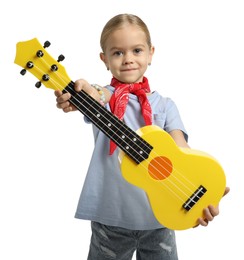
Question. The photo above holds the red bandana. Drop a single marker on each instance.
(120, 99)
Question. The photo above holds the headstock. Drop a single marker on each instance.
(33, 57)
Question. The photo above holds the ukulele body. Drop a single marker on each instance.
(170, 176)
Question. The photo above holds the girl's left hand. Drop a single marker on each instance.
(210, 212)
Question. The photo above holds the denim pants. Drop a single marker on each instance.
(109, 242)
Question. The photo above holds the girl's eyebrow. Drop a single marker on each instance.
(115, 48)
(133, 47)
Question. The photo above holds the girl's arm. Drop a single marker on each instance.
(179, 138)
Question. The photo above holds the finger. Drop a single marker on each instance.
(63, 105)
(68, 109)
(213, 211)
(210, 212)
(79, 84)
(63, 98)
(227, 190)
(82, 84)
(58, 93)
(203, 222)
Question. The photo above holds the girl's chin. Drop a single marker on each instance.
(129, 79)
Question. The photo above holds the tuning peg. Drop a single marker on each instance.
(29, 64)
(45, 77)
(39, 53)
(46, 44)
(22, 72)
(38, 84)
(54, 67)
(60, 58)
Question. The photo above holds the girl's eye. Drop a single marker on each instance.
(137, 51)
(118, 53)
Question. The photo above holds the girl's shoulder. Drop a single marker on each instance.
(157, 100)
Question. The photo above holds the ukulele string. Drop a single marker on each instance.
(59, 87)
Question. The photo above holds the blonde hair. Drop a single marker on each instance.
(118, 22)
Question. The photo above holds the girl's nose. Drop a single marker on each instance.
(128, 58)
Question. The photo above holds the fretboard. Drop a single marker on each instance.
(124, 137)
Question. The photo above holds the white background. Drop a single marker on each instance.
(198, 62)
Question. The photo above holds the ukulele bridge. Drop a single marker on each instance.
(195, 197)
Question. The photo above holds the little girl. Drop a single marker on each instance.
(121, 218)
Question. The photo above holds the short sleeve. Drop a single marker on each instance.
(167, 116)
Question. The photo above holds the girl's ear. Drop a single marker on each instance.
(151, 53)
(103, 58)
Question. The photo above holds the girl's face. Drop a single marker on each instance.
(127, 54)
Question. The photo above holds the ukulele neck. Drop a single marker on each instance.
(126, 139)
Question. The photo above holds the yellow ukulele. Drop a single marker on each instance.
(179, 182)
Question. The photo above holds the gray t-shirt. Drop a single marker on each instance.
(106, 196)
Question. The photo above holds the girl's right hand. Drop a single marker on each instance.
(81, 84)
(63, 99)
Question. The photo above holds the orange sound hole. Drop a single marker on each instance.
(160, 168)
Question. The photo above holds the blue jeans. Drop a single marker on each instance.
(109, 242)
